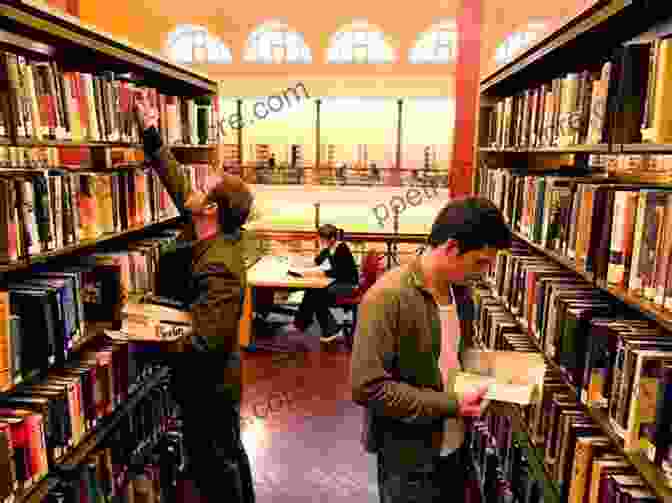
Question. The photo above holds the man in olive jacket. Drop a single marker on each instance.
(413, 419)
(207, 381)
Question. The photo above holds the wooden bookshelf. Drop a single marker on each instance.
(560, 259)
(647, 148)
(581, 47)
(644, 306)
(75, 44)
(574, 149)
(109, 423)
(586, 37)
(98, 144)
(42, 34)
(523, 427)
(93, 439)
(644, 467)
(83, 246)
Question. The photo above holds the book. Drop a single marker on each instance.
(510, 376)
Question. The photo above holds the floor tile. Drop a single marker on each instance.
(306, 446)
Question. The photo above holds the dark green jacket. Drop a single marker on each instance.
(218, 262)
(395, 373)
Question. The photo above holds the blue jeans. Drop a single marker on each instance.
(442, 480)
(217, 461)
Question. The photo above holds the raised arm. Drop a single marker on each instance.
(160, 156)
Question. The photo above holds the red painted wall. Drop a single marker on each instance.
(467, 71)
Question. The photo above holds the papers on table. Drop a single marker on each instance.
(274, 272)
(280, 267)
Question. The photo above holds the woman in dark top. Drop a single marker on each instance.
(337, 262)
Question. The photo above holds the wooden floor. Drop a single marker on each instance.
(306, 448)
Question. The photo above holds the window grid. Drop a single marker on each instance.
(436, 45)
(362, 44)
(360, 47)
(189, 44)
(277, 45)
(516, 42)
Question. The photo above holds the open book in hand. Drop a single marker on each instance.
(510, 376)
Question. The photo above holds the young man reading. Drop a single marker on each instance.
(413, 326)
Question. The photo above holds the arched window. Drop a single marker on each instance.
(437, 45)
(275, 42)
(360, 43)
(193, 44)
(519, 41)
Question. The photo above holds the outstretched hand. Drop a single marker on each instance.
(197, 201)
(146, 115)
(471, 403)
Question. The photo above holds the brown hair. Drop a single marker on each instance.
(474, 222)
(328, 231)
(235, 205)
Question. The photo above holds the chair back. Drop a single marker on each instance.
(372, 268)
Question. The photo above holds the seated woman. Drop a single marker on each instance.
(335, 261)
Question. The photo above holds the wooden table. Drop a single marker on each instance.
(271, 272)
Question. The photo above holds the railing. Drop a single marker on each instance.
(353, 176)
(397, 248)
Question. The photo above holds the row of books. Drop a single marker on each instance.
(573, 437)
(611, 359)
(494, 486)
(139, 464)
(507, 464)
(622, 234)
(510, 463)
(57, 307)
(573, 444)
(598, 473)
(600, 346)
(44, 421)
(47, 211)
(626, 101)
(41, 101)
(43, 211)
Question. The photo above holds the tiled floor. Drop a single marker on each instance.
(307, 447)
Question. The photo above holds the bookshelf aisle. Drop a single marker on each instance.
(574, 147)
(83, 223)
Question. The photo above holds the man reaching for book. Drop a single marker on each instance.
(413, 327)
(207, 382)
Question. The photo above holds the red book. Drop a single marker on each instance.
(18, 429)
(36, 444)
(81, 99)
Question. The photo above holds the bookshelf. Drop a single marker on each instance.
(76, 198)
(85, 245)
(94, 438)
(647, 308)
(648, 471)
(581, 109)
